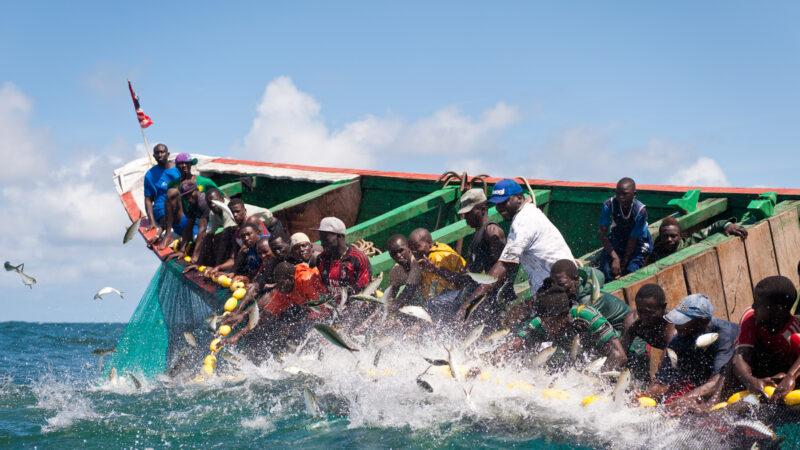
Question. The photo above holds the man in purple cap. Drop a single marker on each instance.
(533, 241)
(176, 205)
(156, 183)
(340, 264)
(692, 376)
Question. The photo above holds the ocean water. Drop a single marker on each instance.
(51, 396)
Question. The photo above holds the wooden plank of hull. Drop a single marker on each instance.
(673, 282)
(303, 214)
(760, 252)
(402, 213)
(703, 277)
(732, 259)
(785, 230)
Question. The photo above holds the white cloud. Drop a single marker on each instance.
(63, 219)
(21, 147)
(703, 172)
(289, 127)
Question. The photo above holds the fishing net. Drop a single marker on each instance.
(154, 340)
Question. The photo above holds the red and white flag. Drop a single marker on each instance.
(144, 120)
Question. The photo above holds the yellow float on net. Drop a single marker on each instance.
(224, 281)
(589, 399)
(210, 360)
(719, 405)
(555, 394)
(737, 396)
(769, 390)
(187, 258)
(224, 330)
(208, 370)
(378, 293)
(647, 402)
(201, 269)
(237, 285)
(792, 398)
(231, 304)
(239, 293)
(214, 346)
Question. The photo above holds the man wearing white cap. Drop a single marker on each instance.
(341, 265)
(302, 250)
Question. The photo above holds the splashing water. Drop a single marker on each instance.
(50, 395)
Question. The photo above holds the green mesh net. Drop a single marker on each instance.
(154, 340)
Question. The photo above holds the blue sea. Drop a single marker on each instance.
(52, 396)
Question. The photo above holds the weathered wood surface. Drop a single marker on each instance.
(733, 268)
(341, 200)
(673, 282)
(760, 252)
(785, 230)
(703, 277)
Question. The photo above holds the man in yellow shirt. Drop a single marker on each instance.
(441, 266)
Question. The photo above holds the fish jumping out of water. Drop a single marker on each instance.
(333, 337)
(132, 228)
(312, 407)
(27, 280)
(107, 290)
(416, 311)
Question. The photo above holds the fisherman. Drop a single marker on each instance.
(226, 246)
(281, 246)
(215, 244)
(557, 320)
(649, 326)
(285, 319)
(670, 240)
(268, 224)
(765, 354)
(248, 260)
(340, 264)
(175, 206)
(578, 285)
(302, 250)
(533, 241)
(692, 376)
(156, 183)
(406, 272)
(441, 266)
(623, 232)
(196, 213)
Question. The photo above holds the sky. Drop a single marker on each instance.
(700, 93)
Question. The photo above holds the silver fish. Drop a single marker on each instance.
(543, 356)
(596, 365)
(424, 385)
(190, 338)
(623, 383)
(103, 351)
(482, 278)
(132, 228)
(342, 298)
(333, 337)
(418, 312)
(253, 316)
(472, 336)
(704, 340)
(226, 211)
(595, 287)
(497, 335)
(472, 306)
(673, 358)
(312, 407)
(212, 321)
(136, 383)
(760, 428)
(611, 374)
(107, 290)
(112, 374)
(366, 298)
(451, 364)
(575, 348)
(372, 286)
(437, 362)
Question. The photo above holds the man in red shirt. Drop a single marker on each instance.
(764, 353)
(341, 265)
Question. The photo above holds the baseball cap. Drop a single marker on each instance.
(183, 158)
(187, 187)
(504, 189)
(332, 225)
(299, 238)
(471, 199)
(695, 306)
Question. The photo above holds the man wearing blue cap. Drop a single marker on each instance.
(533, 241)
(693, 372)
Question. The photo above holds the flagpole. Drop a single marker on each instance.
(147, 147)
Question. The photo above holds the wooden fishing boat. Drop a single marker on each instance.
(376, 204)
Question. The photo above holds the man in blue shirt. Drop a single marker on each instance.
(623, 231)
(692, 377)
(156, 181)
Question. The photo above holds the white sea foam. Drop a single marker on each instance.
(66, 401)
(259, 423)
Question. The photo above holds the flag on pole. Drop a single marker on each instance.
(144, 120)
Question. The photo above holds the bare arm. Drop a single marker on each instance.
(615, 353)
(629, 329)
(616, 267)
(788, 383)
(630, 246)
(742, 369)
(201, 236)
(148, 208)
(499, 271)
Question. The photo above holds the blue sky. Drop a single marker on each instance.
(675, 92)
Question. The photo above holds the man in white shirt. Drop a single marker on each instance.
(533, 241)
